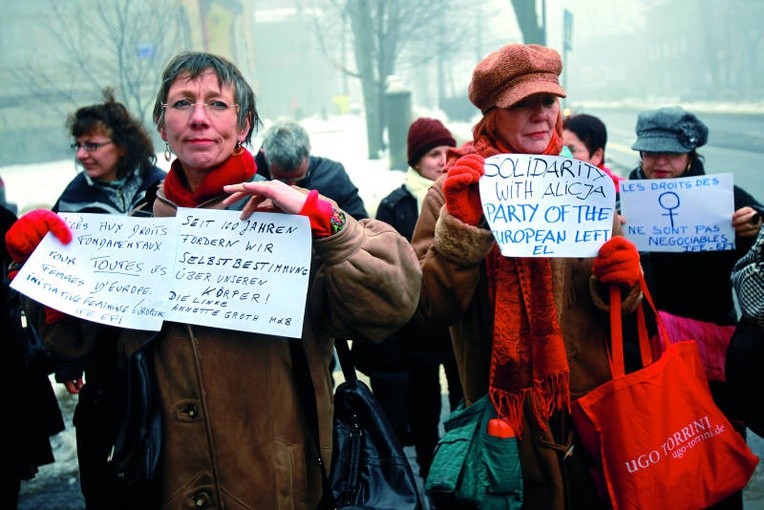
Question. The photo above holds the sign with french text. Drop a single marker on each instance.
(684, 214)
(547, 206)
(204, 267)
(247, 275)
(114, 271)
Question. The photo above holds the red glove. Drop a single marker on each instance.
(25, 235)
(320, 214)
(461, 190)
(618, 262)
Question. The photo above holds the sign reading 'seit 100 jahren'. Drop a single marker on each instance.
(547, 206)
(201, 267)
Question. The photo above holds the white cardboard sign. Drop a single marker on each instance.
(684, 214)
(547, 206)
(203, 267)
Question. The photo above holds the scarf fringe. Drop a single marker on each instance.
(547, 396)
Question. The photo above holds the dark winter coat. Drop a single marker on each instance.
(31, 410)
(415, 343)
(330, 179)
(697, 284)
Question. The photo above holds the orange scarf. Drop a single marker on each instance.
(239, 167)
(528, 356)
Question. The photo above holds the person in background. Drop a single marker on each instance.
(285, 155)
(404, 370)
(32, 414)
(118, 176)
(695, 285)
(233, 434)
(682, 283)
(586, 136)
(748, 280)
(529, 332)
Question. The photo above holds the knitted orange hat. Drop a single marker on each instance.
(514, 72)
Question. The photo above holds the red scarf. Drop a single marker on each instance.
(528, 357)
(239, 167)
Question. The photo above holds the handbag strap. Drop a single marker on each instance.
(647, 353)
(307, 395)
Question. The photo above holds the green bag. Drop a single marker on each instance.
(472, 469)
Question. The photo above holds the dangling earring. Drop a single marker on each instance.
(237, 150)
(167, 152)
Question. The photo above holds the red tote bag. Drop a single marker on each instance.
(656, 433)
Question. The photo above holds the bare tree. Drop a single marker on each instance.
(119, 43)
(381, 31)
(532, 25)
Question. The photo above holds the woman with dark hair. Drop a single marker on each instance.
(232, 430)
(586, 136)
(118, 177)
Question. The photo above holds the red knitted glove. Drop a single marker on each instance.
(461, 190)
(618, 262)
(319, 212)
(25, 235)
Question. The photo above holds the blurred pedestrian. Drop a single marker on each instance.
(232, 433)
(32, 414)
(285, 155)
(586, 136)
(118, 176)
(694, 285)
(529, 332)
(404, 370)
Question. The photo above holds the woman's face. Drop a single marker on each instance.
(98, 154)
(579, 149)
(527, 126)
(430, 166)
(202, 137)
(664, 165)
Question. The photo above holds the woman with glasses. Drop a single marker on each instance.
(232, 430)
(118, 176)
(695, 285)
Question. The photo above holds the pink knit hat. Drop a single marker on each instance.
(514, 72)
(424, 134)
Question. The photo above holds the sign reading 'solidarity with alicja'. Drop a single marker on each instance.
(547, 206)
(202, 266)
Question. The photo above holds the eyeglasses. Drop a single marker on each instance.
(185, 106)
(89, 146)
(655, 156)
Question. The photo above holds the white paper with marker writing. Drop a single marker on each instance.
(547, 206)
(246, 275)
(114, 271)
(684, 214)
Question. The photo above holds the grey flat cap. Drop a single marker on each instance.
(669, 129)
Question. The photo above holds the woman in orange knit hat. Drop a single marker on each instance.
(528, 332)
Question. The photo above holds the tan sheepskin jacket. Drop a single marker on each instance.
(454, 291)
(234, 431)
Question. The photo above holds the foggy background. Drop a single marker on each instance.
(388, 61)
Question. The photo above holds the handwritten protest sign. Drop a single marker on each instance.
(115, 270)
(201, 267)
(547, 206)
(247, 275)
(685, 214)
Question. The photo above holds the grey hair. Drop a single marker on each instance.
(286, 144)
(191, 65)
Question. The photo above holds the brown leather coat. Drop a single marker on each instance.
(454, 290)
(234, 431)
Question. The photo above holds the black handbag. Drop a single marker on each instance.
(134, 460)
(369, 468)
(745, 377)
